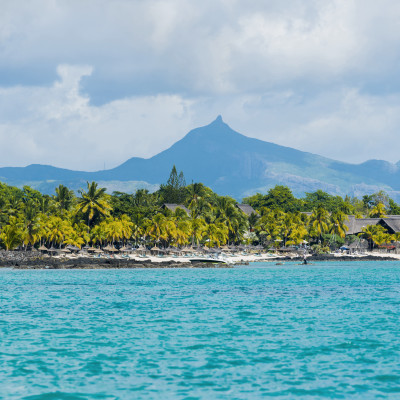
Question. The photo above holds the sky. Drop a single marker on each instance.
(87, 84)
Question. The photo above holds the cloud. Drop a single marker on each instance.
(57, 125)
(201, 48)
(83, 83)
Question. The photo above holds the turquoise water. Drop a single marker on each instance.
(312, 332)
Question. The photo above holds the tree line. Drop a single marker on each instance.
(93, 217)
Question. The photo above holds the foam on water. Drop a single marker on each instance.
(309, 332)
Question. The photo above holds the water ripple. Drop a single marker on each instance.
(315, 332)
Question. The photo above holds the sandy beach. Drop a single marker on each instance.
(33, 260)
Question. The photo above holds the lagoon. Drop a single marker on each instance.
(328, 330)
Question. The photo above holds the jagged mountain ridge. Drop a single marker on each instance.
(228, 162)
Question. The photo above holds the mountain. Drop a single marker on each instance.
(230, 163)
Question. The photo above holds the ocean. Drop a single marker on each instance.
(323, 331)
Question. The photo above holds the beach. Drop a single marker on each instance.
(34, 260)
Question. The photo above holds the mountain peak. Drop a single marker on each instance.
(218, 120)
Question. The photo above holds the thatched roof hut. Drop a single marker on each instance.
(126, 249)
(72, 248)
(246, 209)
(173, 207)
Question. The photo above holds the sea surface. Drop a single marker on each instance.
(323, 331)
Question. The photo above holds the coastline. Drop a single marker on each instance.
(33, 260)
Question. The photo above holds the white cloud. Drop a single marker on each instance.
(134, 76)
(57, 125)
(208, 47)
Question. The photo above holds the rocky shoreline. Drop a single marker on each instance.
(34, 260)
(28, 260)
(330, 257)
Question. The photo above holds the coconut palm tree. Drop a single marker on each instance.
(98, 234)
(73, 238)
(30, 223)
(183, 230)
(93, 202)
(216, 234)
(370, 232)
(198, 227)
(63, 198)
(379, 211)
(319, 221)
(337, 226)
(155, 227)
(57, 228)
(196, 192)
(12, 234)
(138, 227)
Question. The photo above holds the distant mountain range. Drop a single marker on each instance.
(229, 163)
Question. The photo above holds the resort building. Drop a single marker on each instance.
(391, 223)
(245, 208)
(173, 207)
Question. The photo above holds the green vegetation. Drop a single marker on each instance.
(93, 217)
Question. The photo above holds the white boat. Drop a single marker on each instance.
(219, 259)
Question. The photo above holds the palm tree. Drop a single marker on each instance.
(378, 211)
(252, 219)
(99, 233)
(155, 228)
(93, 202)
(196, 191)
(228, 214)
(126, 227)
(370, 232)
(183, 230)
(216, 234)
(319, 221)
(198, 227)
(73, 238)
(338, 226)
(30, 223)
(12, 234)
(138, 228)
(57, 229)
(14, 206)
(63, 198)
(381, 238)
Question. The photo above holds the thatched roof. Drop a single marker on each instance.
(173, 207)
(391, 223)
(110, 248)
(245, 208)
(72, 248)
(125, 248)
(355, 225)
(43, 248)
